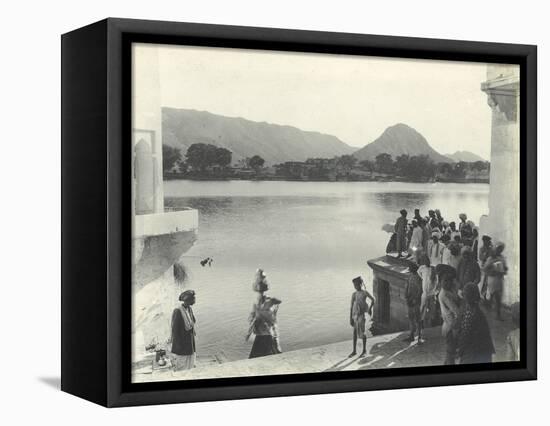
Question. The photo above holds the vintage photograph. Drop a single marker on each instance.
(303, 212)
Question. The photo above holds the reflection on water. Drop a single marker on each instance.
(312, 238)
(394, 201)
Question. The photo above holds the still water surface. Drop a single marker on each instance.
(311, 238)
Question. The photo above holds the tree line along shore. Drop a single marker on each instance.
(209, 162)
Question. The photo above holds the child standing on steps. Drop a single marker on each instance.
(359, 308)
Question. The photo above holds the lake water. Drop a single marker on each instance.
(311, 238)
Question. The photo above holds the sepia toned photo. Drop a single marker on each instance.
(305, 213)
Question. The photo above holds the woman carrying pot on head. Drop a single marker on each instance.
(263, 320)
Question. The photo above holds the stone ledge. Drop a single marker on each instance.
(384, 351)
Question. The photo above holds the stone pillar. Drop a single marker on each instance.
(147, 118)
(502, 222)
(144, 200)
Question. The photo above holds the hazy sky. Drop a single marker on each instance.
(354, 98)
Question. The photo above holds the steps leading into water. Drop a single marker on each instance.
(384, 351)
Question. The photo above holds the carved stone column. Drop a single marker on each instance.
(147, 118)
(502, 223)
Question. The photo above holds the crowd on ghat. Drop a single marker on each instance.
(451, 273)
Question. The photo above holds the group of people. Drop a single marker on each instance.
(431, 241)
(451, 274)
(465, 327)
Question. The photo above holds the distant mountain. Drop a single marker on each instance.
(467, 156)
(397, 140)
(244, 138)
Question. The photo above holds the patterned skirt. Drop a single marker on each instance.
(262, 346)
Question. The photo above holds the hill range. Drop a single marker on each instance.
(244, 138)
(279, 143)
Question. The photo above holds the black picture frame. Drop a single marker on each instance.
(96, 228)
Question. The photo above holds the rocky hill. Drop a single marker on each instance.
(397, 140)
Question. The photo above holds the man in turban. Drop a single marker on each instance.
(401, 233)
(183, 333)
(496, 268)
(413, 297)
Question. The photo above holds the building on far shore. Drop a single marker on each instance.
(294, 169)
